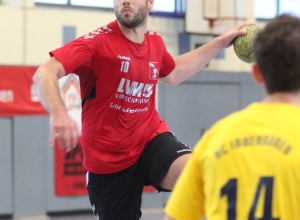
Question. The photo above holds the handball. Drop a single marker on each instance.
(242, 45)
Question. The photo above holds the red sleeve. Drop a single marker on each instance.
(168, 64)
(75, 54)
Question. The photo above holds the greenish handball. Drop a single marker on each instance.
(243, 44)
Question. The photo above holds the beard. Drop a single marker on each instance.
(138, 19)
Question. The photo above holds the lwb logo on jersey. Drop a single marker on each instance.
(153, 72)
(135, 89)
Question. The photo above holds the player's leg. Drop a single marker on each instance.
(174, 171)
(164, 158)
(116, 196)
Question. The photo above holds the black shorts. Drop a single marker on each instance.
(117, 196)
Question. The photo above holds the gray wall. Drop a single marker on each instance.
(191, 107)
(6, 169)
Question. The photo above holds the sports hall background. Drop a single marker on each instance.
(27, 33)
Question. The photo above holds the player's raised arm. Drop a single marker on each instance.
(192, 62)
(62, 126)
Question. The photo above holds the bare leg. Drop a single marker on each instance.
(169, 180)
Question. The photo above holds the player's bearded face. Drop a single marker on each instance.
(133, 19)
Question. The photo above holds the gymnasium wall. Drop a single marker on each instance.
(29, 32)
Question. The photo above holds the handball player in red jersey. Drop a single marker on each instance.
(126, 145)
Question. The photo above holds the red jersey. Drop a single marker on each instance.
(118, 81)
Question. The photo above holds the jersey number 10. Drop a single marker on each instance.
(230, 190)
(124, 66)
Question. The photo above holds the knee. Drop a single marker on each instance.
(180, 163)
(174, 171)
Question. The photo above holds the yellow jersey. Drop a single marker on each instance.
(246, 167)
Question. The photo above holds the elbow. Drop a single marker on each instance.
(36, 76)
(169, 82)
(173, 83)
(174, 78)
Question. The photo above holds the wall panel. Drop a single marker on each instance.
(11, 36)
(6, 163)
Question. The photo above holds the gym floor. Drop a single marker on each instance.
(148, 214)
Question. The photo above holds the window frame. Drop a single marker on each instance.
(179, 8)
(278, 11)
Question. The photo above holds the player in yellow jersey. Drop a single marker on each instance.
(247, 166)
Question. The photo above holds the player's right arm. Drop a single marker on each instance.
(62, 127)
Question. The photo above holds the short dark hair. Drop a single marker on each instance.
(277, 53)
